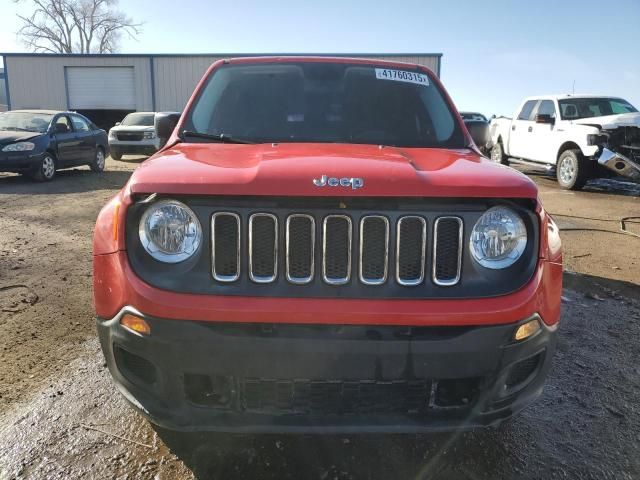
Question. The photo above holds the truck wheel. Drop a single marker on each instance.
(98, 162)
(115, 154)
(497, 154)
(46, 170)
(573, 170)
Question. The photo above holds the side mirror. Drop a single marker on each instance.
(165, 124)
(544, 118)
(478, 132)
(117, 123)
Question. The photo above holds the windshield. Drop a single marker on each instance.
(25, 121)
(325, 102)
(575, 108)
(139, 120)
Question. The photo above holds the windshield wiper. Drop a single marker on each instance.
(219, 137)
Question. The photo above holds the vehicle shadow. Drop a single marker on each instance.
(609, 185)
(470, 455)
(66, 181)
(133, 159)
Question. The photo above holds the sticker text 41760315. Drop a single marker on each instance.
(401, 76)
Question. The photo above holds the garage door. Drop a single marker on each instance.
(101, 88)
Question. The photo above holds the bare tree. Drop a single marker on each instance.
(75, 26)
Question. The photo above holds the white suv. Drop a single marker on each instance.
(136, 135)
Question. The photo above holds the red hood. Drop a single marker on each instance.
(289, 170)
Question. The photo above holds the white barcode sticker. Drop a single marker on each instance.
(401, 76)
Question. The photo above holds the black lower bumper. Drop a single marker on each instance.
(134, 149)
(329, 379)
(19, 162)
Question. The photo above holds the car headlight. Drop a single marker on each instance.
(498, 238)
(169, 231)
(149, 135)
(112, 134)
(19, 147)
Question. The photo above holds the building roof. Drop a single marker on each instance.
(217, 54)
(35, 110)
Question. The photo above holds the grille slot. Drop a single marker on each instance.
(263, 247)
(334, 396)
(411, 245)
(225, 238)
(300, 246)
(374, 249)
(447, 251)
(130, 136)
(337, 233)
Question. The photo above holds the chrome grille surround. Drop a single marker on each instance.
(252, 274)
(214, 221)
(379, 280)
(325, 274)
(288, 247)
(420, 279)
(448, 282)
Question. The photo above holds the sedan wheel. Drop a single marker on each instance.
(99, 161)
(47, 169)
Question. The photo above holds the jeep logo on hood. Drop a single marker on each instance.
(352, 182)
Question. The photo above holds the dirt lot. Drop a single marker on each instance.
(61, 417)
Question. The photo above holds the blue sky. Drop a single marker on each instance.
(495, 52)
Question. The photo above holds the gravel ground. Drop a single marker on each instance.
(61, 417)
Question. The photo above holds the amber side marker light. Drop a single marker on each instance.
(135, 324)
(527, 329)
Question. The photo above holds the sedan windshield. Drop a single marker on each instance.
(575, 108)
(139, 120)
(324, 102)
(25, 121)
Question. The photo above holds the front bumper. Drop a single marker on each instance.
(250, 377)
(619, 164)
(19, 162)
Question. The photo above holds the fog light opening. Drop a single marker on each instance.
(527, 329)
(135, 324)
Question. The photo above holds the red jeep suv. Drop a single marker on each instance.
(321, 247)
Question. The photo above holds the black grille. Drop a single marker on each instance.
(411, 250)
(336, 235)
(374, 249)
(130, 136)
(521, 371)
(447, 251)
(300, 248)
(134, 367)
(334, 396)
(226, 246)
(263, 240)
(336, 246)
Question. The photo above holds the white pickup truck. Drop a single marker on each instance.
(574, 135)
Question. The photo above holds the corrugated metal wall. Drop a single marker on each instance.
(38, 81)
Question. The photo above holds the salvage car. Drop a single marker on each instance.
(578, 137)
(320, 247)
(135, 135)
(39, 142)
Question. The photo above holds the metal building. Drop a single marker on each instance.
(107, 87)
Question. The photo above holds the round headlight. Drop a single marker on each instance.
(169, 231)
(498, 238)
